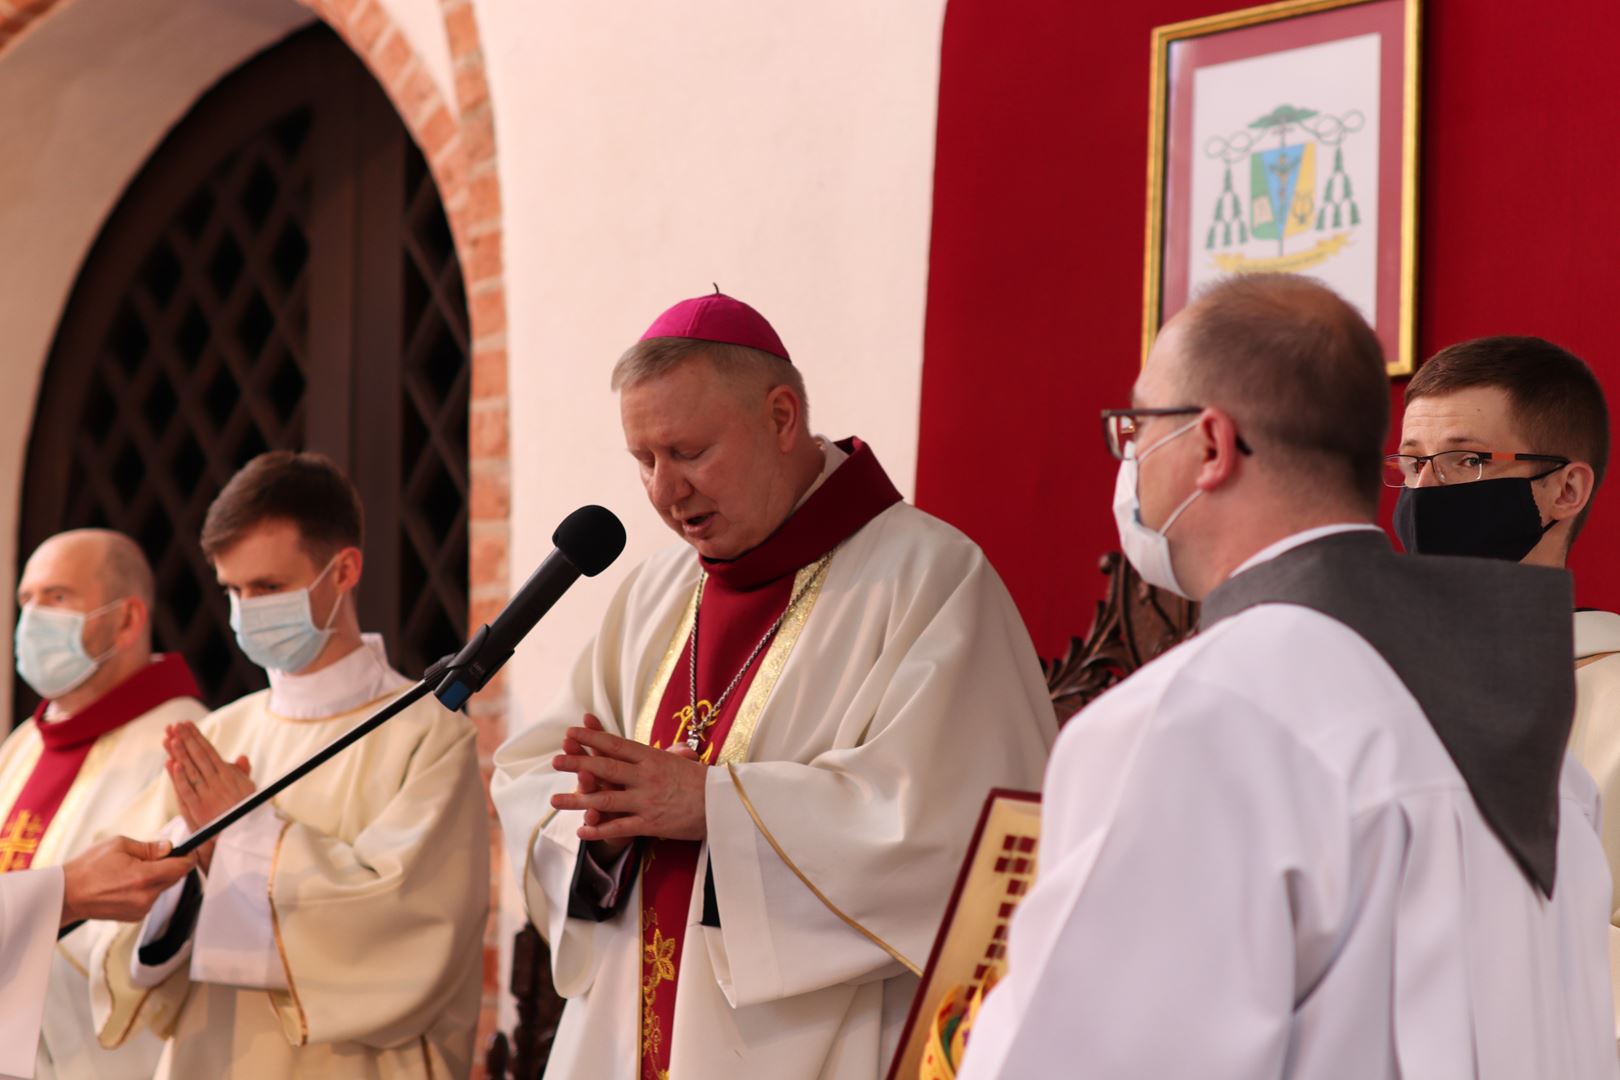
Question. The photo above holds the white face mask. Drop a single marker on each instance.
(1147, 550)
(49, 645)
(277, 631)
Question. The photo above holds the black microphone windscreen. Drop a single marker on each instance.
(590, 538)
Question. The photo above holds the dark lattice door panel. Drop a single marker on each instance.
(280, 275)
(202, 368)
(435, 389)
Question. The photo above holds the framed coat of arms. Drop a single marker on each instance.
(1284, 138)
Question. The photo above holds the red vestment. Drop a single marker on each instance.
(741, 600)
(68, 742)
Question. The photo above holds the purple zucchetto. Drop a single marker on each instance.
(719, 318)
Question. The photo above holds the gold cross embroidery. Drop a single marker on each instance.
(19, 841)
(683, 722)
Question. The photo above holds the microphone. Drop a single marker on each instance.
(587, 542)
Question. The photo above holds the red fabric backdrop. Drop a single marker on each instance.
(1035, 275)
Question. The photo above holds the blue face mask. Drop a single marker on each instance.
(49, 646)
(277, 631)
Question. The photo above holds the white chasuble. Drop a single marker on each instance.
(350, 944)
(30, 913)
(121, 763)
(838, 810)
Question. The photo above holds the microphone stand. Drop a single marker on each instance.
(454, 678)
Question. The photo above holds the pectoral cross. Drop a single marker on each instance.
(693, 724)
(19, 841)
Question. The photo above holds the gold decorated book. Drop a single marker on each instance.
(970, 951)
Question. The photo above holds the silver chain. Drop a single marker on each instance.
(696, 728)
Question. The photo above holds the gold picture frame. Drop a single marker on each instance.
(1265, 33)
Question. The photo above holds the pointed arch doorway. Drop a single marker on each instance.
(280, 274)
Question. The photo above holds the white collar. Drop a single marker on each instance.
(832, 457)
(1596, 632)
(1289, 543)
(359, 678)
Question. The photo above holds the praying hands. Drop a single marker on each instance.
(205, 784)
(628, 789)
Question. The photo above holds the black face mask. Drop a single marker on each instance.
(1490, 519)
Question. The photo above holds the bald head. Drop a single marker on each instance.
(97, 564)
(104, 576)
(1299, 371)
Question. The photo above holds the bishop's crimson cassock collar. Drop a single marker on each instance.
(857, 491)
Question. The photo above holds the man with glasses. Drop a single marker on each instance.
(1334, 834)
(1504, 442)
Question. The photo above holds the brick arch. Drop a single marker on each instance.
(459, 146)
(460, 149)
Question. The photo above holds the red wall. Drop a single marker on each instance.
(1035, 276)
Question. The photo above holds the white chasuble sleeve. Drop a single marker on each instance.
(1178, 905)
(124, 993)
(915, 727)
(542, 845)
(374, 935)
(156, 925)
(30, 913)
(235, 941)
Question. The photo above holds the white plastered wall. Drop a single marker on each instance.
(783, 150)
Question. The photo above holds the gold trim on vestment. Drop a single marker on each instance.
(807, 585)
(373, 703)
(648, 716)
(281, 947)
(133, 936)
(73, 960)
(748, 805)
(22, 767)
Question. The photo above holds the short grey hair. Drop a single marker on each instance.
(653, 357)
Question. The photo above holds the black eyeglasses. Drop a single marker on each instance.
(1455, 466)
(1121, 425)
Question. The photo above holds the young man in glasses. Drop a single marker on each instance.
(1504, 443)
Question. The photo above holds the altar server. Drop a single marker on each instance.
(1504, 443)
(339, 931)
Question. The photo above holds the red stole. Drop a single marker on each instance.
(68, 742)
(741, 600)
